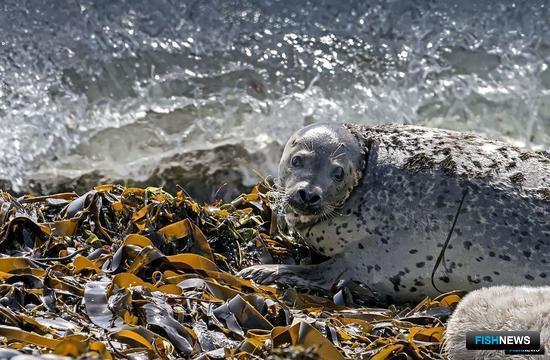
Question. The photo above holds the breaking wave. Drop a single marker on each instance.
(205, 92)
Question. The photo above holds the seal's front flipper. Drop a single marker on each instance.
(320, 277)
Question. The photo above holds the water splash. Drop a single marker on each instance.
(152, 91)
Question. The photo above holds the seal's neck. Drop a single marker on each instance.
(365, 144)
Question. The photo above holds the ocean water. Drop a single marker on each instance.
(205, 93)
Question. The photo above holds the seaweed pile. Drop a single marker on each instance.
(138, 273)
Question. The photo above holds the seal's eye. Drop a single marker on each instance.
(297, 161)
(338, 174)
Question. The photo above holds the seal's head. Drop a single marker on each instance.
(320, 166)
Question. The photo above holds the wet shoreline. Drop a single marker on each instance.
(117, 88)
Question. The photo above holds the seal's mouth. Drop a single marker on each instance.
(301, 209)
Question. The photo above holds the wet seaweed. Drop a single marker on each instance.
(140, 273)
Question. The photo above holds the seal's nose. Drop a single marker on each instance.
(309, 197)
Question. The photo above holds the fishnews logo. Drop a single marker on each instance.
(512, 342)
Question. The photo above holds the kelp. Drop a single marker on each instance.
(139, 273)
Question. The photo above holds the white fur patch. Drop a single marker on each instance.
(499, 308)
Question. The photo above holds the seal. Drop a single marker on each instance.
(498, 308)
(412, 211)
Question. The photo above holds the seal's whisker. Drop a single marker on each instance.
(329, 212)
(336, 150)
(333, 156)
(311, 145)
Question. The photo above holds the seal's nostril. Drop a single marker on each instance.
(314, 199)
(303, 195)
(308, 197)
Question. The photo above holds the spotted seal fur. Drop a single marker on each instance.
(411, 211)
(498, 308)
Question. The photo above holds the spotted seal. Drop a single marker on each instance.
(498, 308)
(412, 211)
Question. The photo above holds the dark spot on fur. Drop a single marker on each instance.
(448, 165)
(525, 155)
(517, 178)
(419, 161)
(413, 251)
(445, 279)
(488, 278)
(529, 277)
(429, 257)
(396, 281)
(467, 245)
(492, 254)
(360, 246)
(504, 257)
(420, 264)
(527, 254)
(545, 193)
(510, 165)
(472, 280)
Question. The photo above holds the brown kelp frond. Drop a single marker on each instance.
(120, 272)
